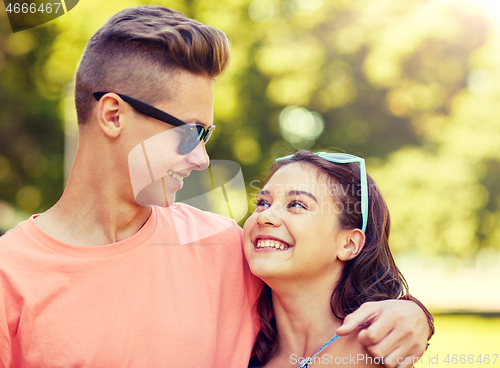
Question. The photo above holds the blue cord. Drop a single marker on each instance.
(305, 363)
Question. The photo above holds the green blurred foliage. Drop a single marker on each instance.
(477, 350)
(412, 86)
(31, 131)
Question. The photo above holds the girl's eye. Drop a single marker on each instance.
(262, 203)
(297, 204)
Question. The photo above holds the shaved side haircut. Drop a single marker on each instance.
(136, 52)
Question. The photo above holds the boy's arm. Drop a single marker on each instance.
(398, 330)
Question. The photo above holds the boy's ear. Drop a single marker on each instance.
(110, 107)
(352, 242)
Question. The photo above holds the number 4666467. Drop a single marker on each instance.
(471, 359)
(33, 8)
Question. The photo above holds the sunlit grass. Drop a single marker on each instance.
(463, 334)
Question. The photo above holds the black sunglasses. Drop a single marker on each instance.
(194, 132)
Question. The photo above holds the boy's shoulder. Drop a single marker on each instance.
(193, 224)
(15, 235)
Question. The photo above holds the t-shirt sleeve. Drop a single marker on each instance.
(253, 285)
(5, 340)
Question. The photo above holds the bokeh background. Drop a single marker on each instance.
(413, 86)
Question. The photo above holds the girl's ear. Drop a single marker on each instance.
(351, 245)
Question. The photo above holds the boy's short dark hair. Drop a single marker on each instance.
(137, 50)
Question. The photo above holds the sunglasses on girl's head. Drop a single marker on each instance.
(194, 133)
(345, 158)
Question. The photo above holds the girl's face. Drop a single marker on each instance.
(294, 230)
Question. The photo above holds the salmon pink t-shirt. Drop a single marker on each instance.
(178, 293)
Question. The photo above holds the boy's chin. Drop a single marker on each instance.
(154, 195)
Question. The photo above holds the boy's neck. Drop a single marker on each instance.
(97, 206)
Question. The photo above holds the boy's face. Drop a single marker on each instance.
(156, 167)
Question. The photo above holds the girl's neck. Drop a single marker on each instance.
(304, 319)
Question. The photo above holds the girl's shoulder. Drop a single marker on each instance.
(347, 351)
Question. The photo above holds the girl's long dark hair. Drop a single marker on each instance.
(372, 275)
